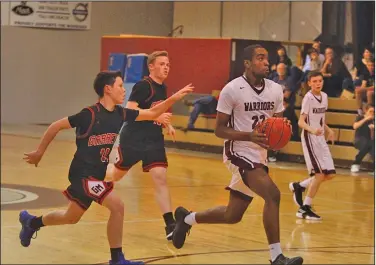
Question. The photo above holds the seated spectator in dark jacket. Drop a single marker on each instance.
(361, 65)
(335, 74)
(206, 105)
(366, 91)
(282, 58)
(364, 137)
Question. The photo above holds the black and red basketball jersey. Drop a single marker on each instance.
(144, 134)
(96, 132)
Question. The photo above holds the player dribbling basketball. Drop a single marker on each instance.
(243, 103)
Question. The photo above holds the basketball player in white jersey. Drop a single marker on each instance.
(317, 155)
(243, 104)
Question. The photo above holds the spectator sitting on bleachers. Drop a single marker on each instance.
(316, 62)
(206, 105)
(361, 65)
(321, 57)
(335, 74)
(282, 58)
(364, 137)
(365, 92)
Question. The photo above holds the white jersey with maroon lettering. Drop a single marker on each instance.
(249, 106)
(315, 149)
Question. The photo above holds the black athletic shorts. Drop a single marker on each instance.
(128, 157)
(84, 191)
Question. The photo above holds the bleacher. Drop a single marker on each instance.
(340, 117)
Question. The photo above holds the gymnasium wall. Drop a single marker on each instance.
(250, 20)
(47, 74)
(203, 62)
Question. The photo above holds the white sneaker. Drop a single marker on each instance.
(355, 168)
(272, 159)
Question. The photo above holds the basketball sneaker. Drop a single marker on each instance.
(181, 228)
(298, 193)
(27, 232)
(284, 260)
(305, 212)
(169, 231)
(122, 260)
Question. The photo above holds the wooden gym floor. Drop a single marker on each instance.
(197, 181)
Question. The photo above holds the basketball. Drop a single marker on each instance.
(277, 131)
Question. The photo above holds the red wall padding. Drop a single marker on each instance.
(203, 62)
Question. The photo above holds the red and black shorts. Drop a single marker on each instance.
(128, 157)
(84, 191)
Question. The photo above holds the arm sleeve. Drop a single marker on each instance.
(140, 92)
(305, 106)
(130, 114)
(279, 102)
(81, 120)
(226, 101)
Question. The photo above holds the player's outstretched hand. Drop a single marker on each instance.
(33, 157)
(183, 92)
(259, 138)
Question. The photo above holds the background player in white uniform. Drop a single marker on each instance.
(317, 155)
(244, 103)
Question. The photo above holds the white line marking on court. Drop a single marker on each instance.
(159, 220)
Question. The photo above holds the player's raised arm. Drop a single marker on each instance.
(156, 111)
(35, 156)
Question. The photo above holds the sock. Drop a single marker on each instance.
(305, 183)
(190, 219)
(168, 218)
(115, 253)
(307, 201)
(36, 223)
(275, 250)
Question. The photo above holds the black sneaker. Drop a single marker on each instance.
(298, 193)
(169, 231)
(305, 212)
(284, 260)
(181, 228)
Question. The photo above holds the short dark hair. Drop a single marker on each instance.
(249, 51)
(314, 74)
(105, 78)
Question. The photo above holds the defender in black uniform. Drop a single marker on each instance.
(144, 141)
(97, 127)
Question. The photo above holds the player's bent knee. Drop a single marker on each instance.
(233, 218)
(159, 177)
(72, 218)
(320, 177)
(114, 204)
(273, 195)
(330, 176)
(118, 208)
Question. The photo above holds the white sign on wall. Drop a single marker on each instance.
(61, 15)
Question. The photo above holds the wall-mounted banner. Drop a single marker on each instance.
(61, 15)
